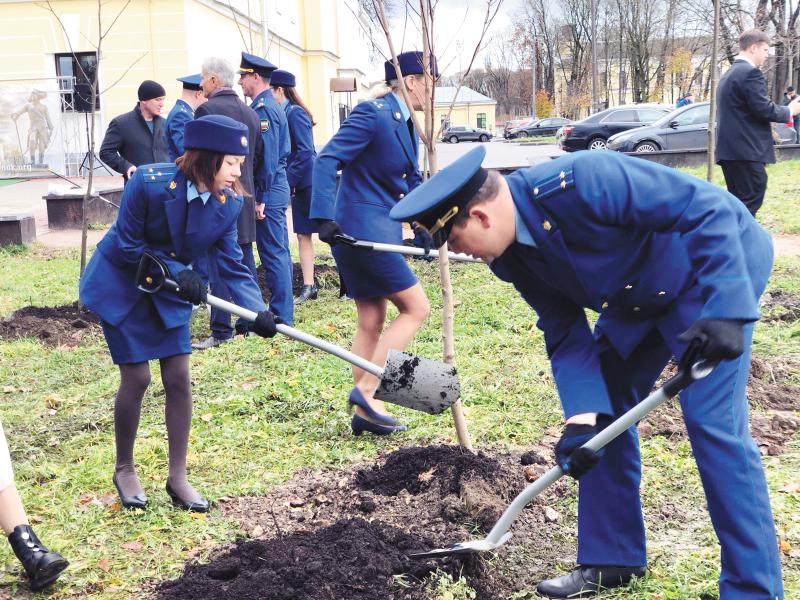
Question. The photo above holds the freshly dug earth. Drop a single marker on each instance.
(55, 326)
(780, 305)
(325, 277)
(346, 534)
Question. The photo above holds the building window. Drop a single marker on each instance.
(82, 66)
(482, 120)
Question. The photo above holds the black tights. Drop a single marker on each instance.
(178, 412)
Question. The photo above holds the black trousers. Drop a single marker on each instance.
(747, 180)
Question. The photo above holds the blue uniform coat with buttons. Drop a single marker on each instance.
(155, 217)
(379, 163)
(651, 250)
(300, 162)
(177, 119)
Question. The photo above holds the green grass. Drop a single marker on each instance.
(264, 409)
(548, 139)
(779, 214)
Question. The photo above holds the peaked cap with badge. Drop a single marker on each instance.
(191, 82)
(654, 251)
(251, 63)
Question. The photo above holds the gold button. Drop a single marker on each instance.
(401, 196)
(535, 191)
(604, 305)
(636, 309)
(563, 185)
(172, 254)
(546, 225)
(629, 287)
(148, 279)
(662, 293)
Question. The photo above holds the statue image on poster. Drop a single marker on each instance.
(40, 129)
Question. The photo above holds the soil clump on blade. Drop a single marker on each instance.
(53, 325)
(347, 533)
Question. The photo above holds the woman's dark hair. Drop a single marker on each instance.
(293, 97)
(201, 166)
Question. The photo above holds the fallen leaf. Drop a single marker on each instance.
(551, 515)
(790, 488)
(9, 389)
(132, 546)
(257, 531)
(198, 516)
(427, 475)
(103, 565)
(330, 327)
(785, 547)
(88, 499)
(207, 417)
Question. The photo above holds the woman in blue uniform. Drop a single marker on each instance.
(299, 167)
(376, 149)
(176, 212)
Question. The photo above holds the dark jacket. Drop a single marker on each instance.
(300, 164)
(226, 102)
(128, 141)
(745, 114)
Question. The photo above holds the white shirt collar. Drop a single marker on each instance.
(744, 58)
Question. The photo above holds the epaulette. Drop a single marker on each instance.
(379, 103)
(554, 184)
(159, 172)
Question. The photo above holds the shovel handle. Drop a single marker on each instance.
(151, 277)
(397, 249)
(671, 387)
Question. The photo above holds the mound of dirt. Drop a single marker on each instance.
(780, 305)
(55, 326)
(325, 277)
(346, 533)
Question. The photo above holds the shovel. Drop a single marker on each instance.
(407, 250)
(407, 380)
(500, 533)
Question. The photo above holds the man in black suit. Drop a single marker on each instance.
(137, 137)
(217, 83)
(745, 114)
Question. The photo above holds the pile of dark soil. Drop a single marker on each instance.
(325, 277)
(346, 534)
(55, 326)
(780, 305)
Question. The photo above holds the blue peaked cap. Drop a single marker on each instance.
(255, 64)
(217, 133)
(191, 82)
(282, 78)
(435, 203)
(410, 64)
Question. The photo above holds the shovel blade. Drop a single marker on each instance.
(418, 383)
(470, 547)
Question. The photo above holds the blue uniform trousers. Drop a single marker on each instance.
(221, 320)
(610, 524)
(272, 241)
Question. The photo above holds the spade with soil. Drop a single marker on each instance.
(407, 250)
(689, 372)
(407, 380)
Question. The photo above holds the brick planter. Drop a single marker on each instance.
(17, 229)
(64, 210)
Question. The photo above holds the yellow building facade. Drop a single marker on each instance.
(317, 40)
(470, 108)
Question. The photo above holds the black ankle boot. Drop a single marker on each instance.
(587, 580)
(309, 292)
(42, 566)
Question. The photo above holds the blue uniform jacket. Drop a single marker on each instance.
(155, 217)
(643, 245)
(379, 163)
(180, 114)
(277, 144)
(300, 163)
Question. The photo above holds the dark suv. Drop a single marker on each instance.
(592, 132)
(459, 133)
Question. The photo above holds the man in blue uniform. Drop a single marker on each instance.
(191, 97)
(272, 235)
(661, 257)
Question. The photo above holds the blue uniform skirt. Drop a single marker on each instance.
(142, 337)
(370, 274)
(301, 202)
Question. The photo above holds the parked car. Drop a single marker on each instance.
(685, 128)
(509, 125)
(460, 133)
(540, 127)
(592, 132)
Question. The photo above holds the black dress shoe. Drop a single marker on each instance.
(137, 501)
(586, 581)
(41, 565)
(309, 292)
(200, 506)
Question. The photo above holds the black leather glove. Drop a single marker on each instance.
(574, 460)
(264, 325)
(423, 239)
(191, 286)
(328, 230)
(718, 339)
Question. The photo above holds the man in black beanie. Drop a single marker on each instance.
(137, 137)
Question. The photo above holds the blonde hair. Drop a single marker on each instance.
(379, 90)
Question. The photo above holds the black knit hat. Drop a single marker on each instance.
(151, 89)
